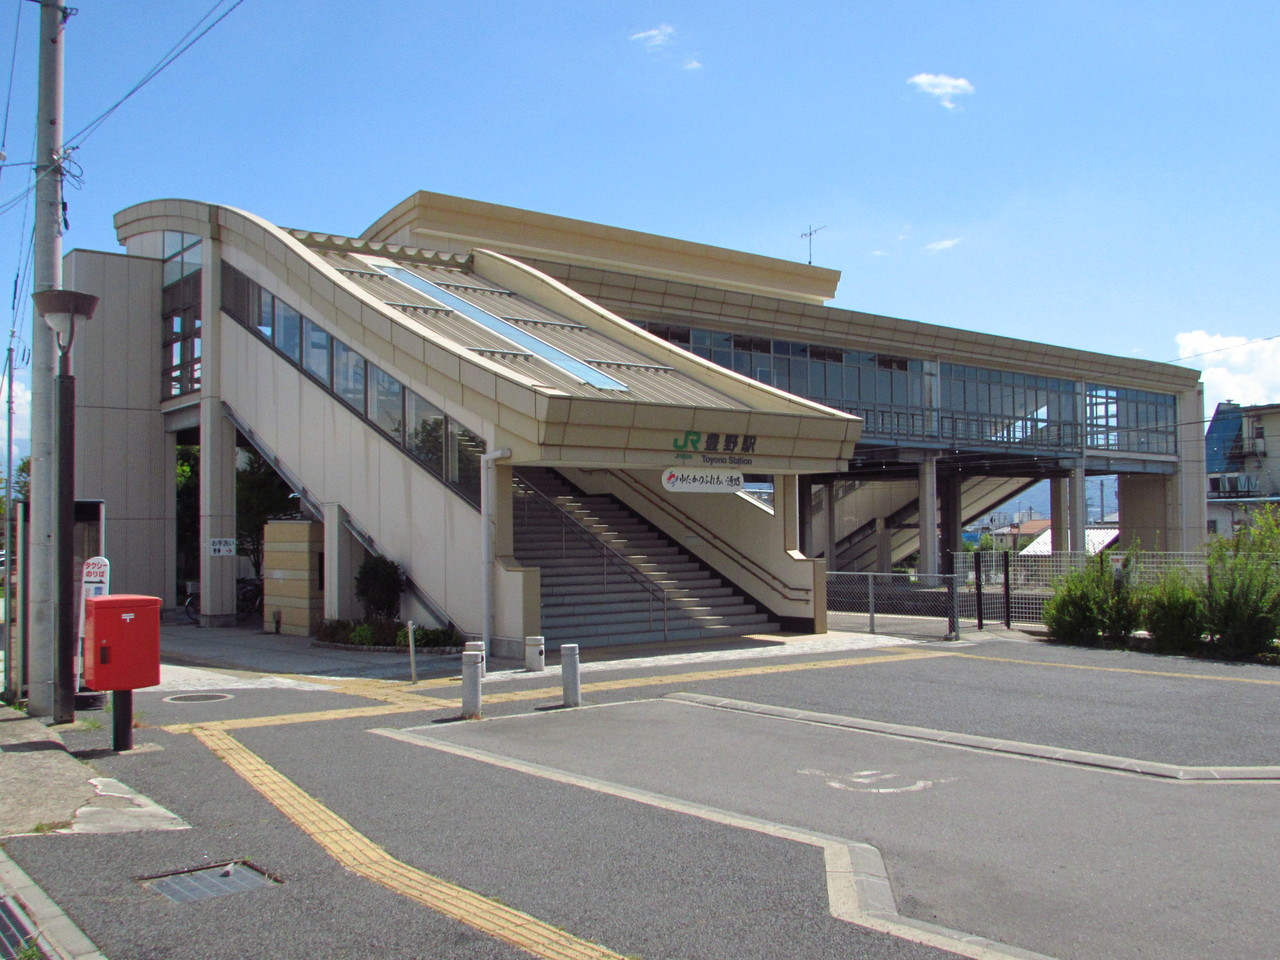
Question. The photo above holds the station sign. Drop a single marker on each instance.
(701, 480)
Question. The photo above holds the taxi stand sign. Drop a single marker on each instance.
(95, 581)
(701, 480)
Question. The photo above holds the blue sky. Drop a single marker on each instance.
(1091, 174)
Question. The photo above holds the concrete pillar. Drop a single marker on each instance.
(217, 448)
(1077, 510)
(884, 545)
(343, 555)
(928, 513)
(830, 497)
(952, 521)
(804, 505)
(1059, 534)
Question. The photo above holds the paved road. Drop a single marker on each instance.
(667, 829)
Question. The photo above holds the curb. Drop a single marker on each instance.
(56, 933)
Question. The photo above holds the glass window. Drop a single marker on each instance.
(425, 438)
(266, 314)
(386, 403)
(315, 357)
(288, 330)
(467, 450)
(348, 375)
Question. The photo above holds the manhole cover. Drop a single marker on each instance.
(197, 697)
(187, 886)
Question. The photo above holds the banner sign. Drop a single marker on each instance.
(701, 480)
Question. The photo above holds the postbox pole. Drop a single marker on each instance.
(121, 720)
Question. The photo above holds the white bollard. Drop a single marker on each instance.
(477, 646)
(569, 678)
(413, 662)
(472, 661)
(535, 654)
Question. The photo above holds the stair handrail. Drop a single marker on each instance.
(579, 529)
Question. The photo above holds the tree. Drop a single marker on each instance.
(260, 496)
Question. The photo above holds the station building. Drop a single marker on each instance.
(565, 429)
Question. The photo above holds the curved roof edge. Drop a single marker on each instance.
(436, 219)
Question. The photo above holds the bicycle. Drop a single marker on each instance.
(248, 600)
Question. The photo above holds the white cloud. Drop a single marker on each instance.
(693, 64)
(656, 38)
(1234, 368)
(939, 85)
(940, 245)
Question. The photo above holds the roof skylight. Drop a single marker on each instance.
(578, 369)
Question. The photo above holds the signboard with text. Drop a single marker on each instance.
(222, 547)
(701, 480)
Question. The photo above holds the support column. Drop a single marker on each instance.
(952, 521)
(217, 450)
(342, 556)
(928, 513)
(1076, 510)
(1059, 532)
(830, 495)
(804, 499)
(884, 545)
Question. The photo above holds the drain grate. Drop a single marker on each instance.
(17, 938)
(187, 886)
(197, 697)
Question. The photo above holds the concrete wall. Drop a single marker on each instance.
(415, 519)
(123, 455)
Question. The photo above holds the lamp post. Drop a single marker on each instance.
(62, 310)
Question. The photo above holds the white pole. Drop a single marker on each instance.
(413, 662)
(569, 675)
(486, 544)
(41, 559)
(477, 646)
(11, 681)
(471, 709)
(535, 654)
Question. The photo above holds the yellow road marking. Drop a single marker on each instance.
(362, 856)
(1149, 673)
(401, 702)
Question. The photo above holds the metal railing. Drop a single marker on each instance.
(898, 604)
(530, 501)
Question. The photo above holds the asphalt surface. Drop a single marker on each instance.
(1061, 859)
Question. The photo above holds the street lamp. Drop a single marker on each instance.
(62, 310)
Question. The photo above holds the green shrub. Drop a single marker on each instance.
(1241, 604)
(379, 583)
(428, 637)
(1094, 603)
(362, 635)
(1073, 613)
(1173, 614)
(1242, 590)
(335, 631)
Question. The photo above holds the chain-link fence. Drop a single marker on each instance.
(899, 604)
(1001, 587)
(987, 590)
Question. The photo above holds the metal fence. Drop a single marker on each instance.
(987, 590)
(899, 604)
(1008, 588)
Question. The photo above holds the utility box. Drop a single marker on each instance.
(121, 642)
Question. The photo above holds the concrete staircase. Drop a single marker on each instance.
(609, 577)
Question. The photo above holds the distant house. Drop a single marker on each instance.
(1015, 536)
(1242, 477)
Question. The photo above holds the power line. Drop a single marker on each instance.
(174, 52)
(1234, 346)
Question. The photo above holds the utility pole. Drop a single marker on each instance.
(45, 699)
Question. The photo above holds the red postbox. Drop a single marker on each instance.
(121, 642)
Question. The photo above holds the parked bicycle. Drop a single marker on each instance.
(248, 600)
